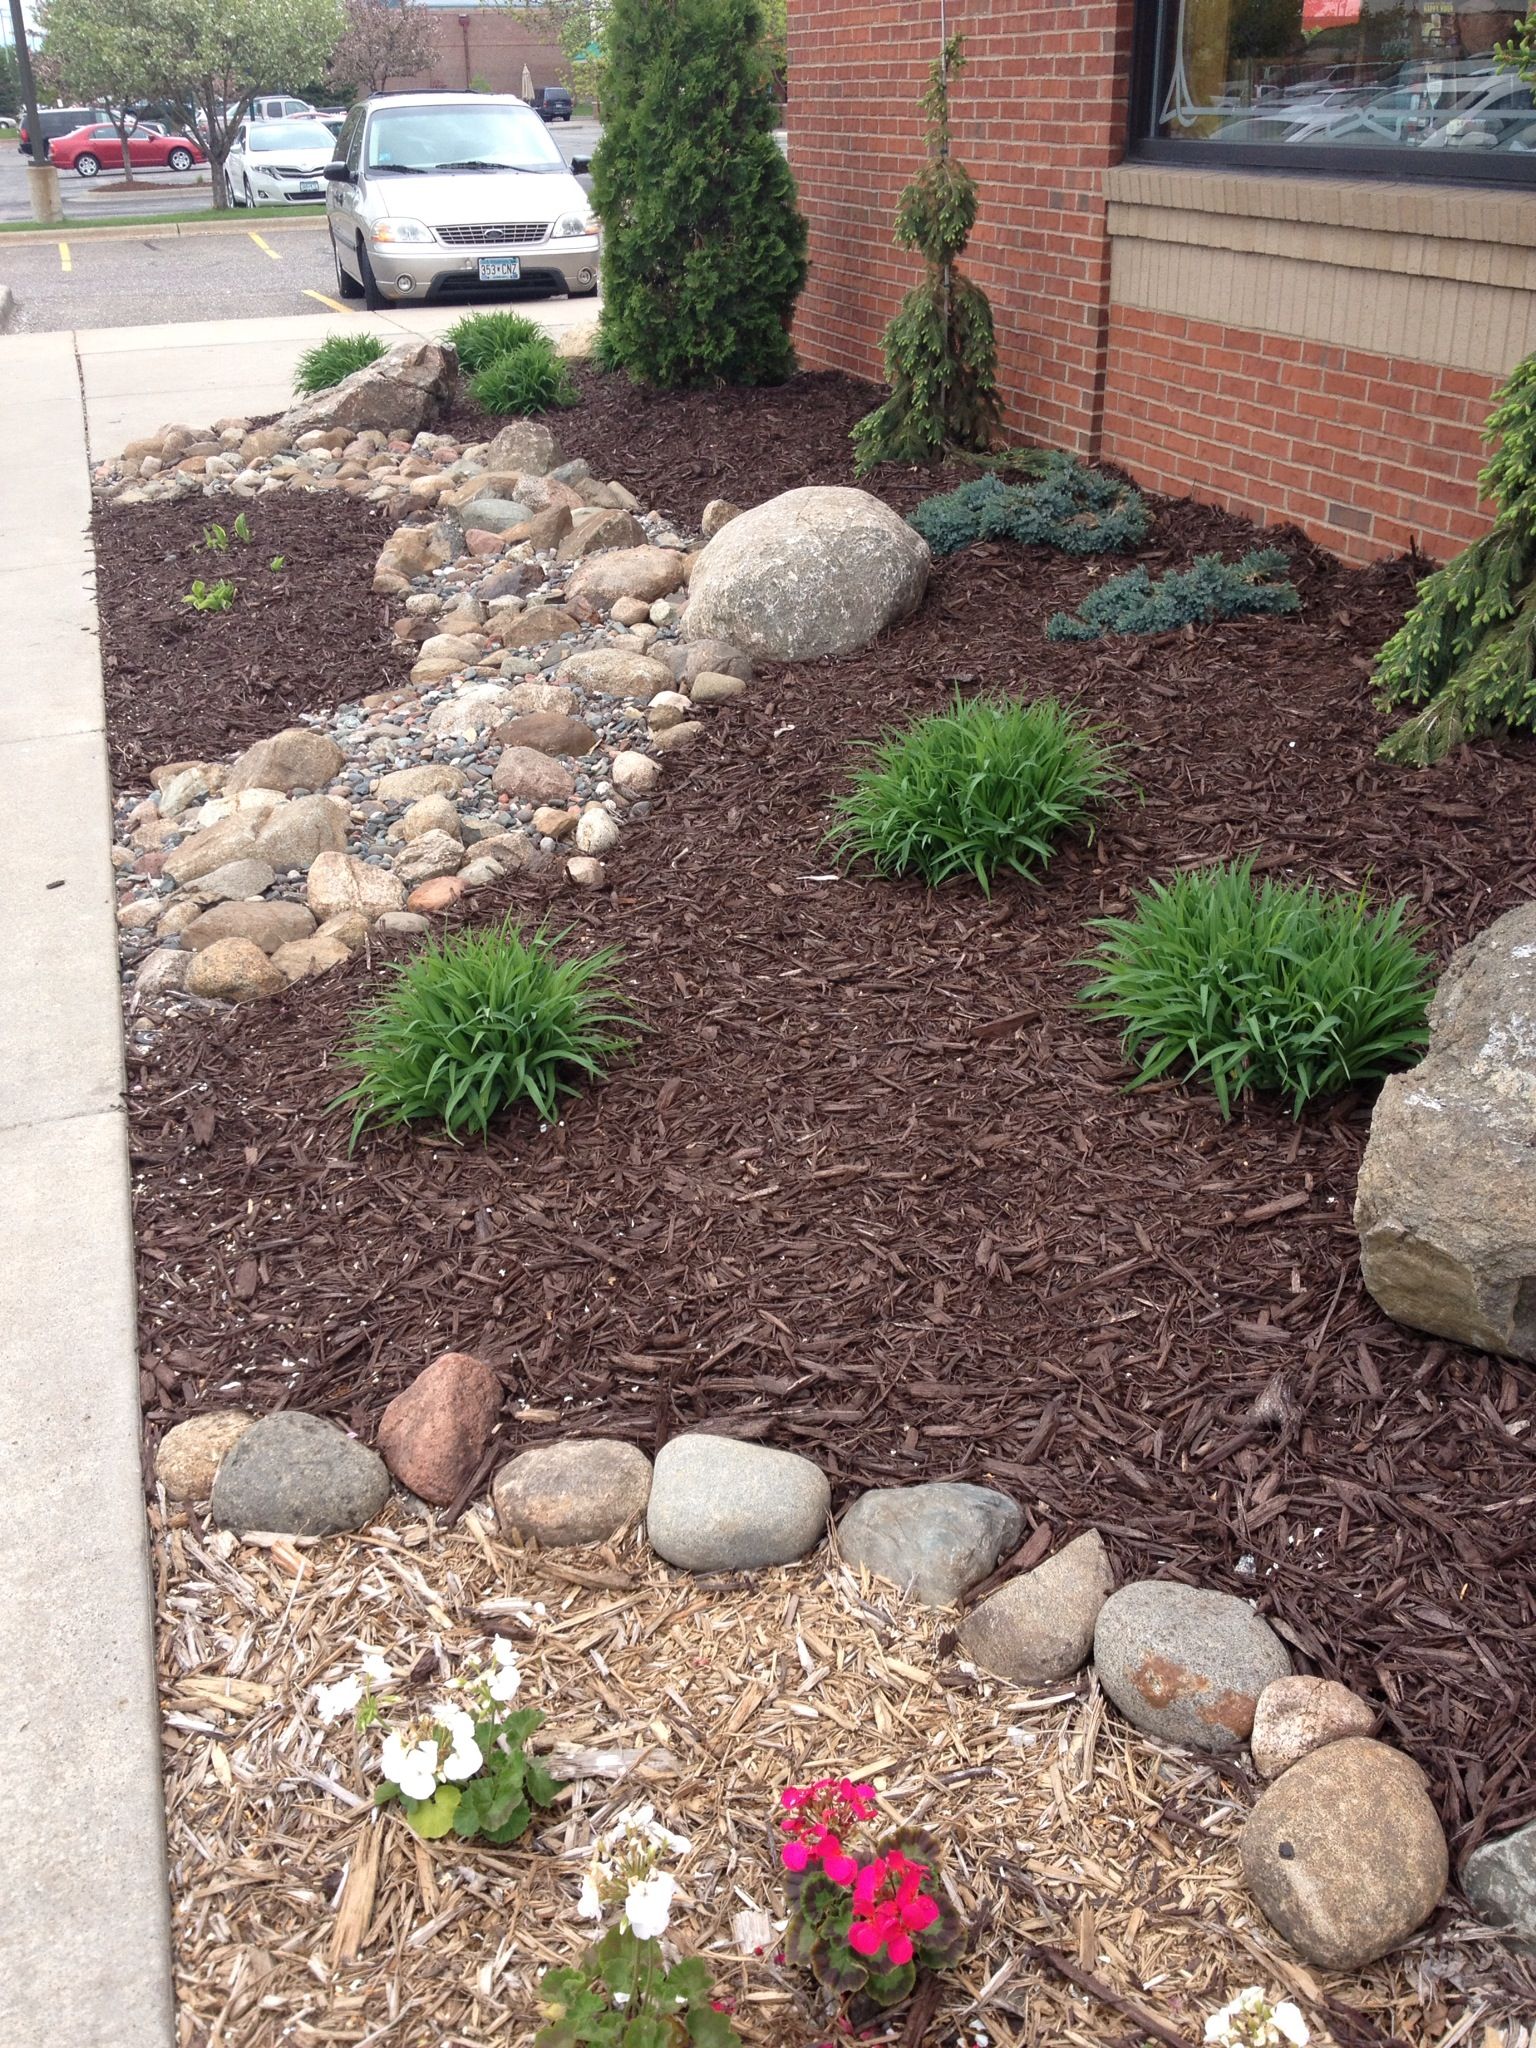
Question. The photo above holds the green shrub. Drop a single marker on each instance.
(332, 359)
(1208, 589)
(940, 349)
(703, 243)
(1272, 988)
(486, 1020)
(1081, 511)
(985, 788)
(529, 378)
(480, 338)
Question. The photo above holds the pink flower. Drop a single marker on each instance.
(889, 1906)
(816, 1817)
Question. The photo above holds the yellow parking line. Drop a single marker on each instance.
(335, 304)
(265, 247)
(66, 261)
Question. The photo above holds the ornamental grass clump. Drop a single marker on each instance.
(479, 338)
(1262, 988)
(622, 1994)
(1081, 511)
(984, 789)
(530, 378)
(456, 1762)
(482, 1022)
(1208, 589)
(866, 1922)
(329, 361)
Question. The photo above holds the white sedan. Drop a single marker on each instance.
(277, 162)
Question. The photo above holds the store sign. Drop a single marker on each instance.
(1316, 14)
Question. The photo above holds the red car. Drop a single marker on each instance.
(89, 151)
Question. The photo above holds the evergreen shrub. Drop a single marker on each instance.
(703, 242)
(1267, 987)
(940, 350)
(1208, 589)
(1465, 656)
(1081, 511)
(982, 789)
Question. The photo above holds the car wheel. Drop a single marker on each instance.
(250, 198)
(347, 286)
(373, 298)
(86, 165)
(180, 159)
(234, 197)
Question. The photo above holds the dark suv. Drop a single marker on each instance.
(552, 102)
(57, 121)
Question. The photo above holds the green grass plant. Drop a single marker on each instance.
(983, 789)
(480, 338)
(332, 359)
(528, 379)
(480, 1023)
(1261, 987)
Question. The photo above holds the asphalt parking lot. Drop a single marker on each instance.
(224, 272)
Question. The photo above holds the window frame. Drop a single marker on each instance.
(1154, 25)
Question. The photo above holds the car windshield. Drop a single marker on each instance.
(284, 138)
(488, 138)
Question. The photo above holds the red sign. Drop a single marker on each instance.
(1317, 14)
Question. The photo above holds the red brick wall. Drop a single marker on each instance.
(1364, 452)
(499, 44)
(1039, 113)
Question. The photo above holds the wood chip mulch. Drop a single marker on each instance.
(1097, 1872)
(872, 1188)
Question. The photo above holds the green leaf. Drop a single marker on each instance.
(432, 1818)
(890, 1987)
(710, 2029)
(644, 2030)
(687, 1982)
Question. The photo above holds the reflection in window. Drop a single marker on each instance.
(1412, 74)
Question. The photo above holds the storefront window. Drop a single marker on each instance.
(1300, 76)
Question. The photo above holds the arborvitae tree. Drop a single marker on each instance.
(1466, 652)
(703, 243)
(940, 351)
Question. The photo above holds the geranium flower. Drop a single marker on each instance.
(503, 1682)
(1250, 2021)
(464, 1758)
(413, 1766)
(589, 1906)
(816, 1817)
(344, 1697)
(375, 1668)
(648, 1905)
(889, 1907)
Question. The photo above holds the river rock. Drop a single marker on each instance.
(547, 732)
(524, 447)
(1345, 1854)
(163, 970)
(294, 834)
(405, 785)
(584, 1490)
(268, 925)
(434, 1435)
(531, 776)
(597, 528)
(1186, 1664)
(340, 881)
(717, 513)
(1499, 1878)
(935, 1541)
(614, 673)
(718, 1504)
(1296, 1715)
(298, 1475)
(409, 387)
(713, 689)
(495, 515)
(295, 758)
(688, 660)
(429, 814)
(234, 971)
(423, 859)
(302, 959)
(1446, 1199)
(190, 1454)
(642, 573)
(815, 572)
(228, 839)
(634, 773)
(1038, 1628)
(537, 627)
(469, 712)
(237, 882)
(596, 832)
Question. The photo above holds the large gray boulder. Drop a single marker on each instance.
(1186, 1664)
(406, 390)
(720, 1505)
(934, 1541)
(1499, 1878)
(1446, 1200)
(814, 572)
(298, 1475)
(1038, 1628)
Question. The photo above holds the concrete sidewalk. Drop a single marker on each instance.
(85, 1927)
(84, 1935)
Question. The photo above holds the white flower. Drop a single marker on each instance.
(648, 1905)
(1288, 2019)
(464, 1758)
(502, 1684)
(589, 1906)
(375, 1668)
(344, 1697)
(1250, 2021)
(413, 1769)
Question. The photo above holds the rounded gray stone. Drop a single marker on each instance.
(935, 1542)
(718, 1504)
(1186, 1664)
(582, 1491)
(299, 1475)
(1499, 1878)
(1039, 1627)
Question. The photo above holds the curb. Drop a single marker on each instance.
(74, 230)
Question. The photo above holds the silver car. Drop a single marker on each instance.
(445, 194)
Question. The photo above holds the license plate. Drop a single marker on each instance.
(500, 269)
(310, 188)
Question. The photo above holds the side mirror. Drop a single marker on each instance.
(338, 174)
(581, 165)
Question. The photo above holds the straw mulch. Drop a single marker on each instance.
(302, 1916)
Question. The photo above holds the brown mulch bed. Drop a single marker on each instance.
(185, 685)
(871, 1187)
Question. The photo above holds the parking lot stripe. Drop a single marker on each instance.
(335, 304)
(66, 261)
(266, 247)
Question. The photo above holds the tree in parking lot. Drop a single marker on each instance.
(103, 53)
(704, 245)
(380, 42)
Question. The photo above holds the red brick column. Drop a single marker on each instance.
(1039, 114)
